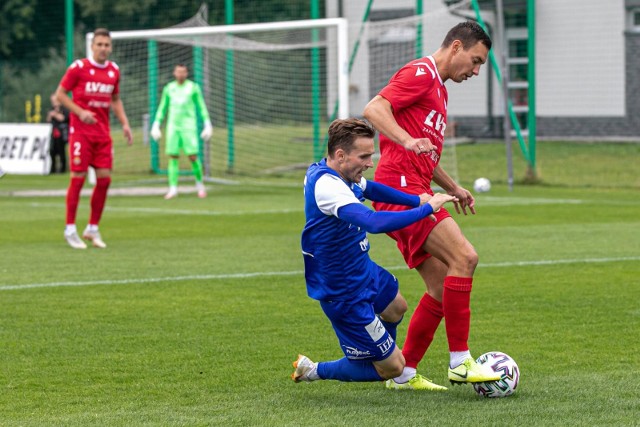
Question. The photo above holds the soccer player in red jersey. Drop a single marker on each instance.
(411, 115)
(94, 84)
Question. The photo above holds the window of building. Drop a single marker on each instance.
(634, 19)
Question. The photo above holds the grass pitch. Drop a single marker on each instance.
(194, 312)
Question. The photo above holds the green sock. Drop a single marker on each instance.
(172, 171)
(196, 166)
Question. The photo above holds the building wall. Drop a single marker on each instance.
(587, 69)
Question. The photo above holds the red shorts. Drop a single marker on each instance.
(411, 239)
(87, 150)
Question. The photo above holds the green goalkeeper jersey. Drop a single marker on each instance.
(183, 102)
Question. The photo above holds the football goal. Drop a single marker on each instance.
(270, 89)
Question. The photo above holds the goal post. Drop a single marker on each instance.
(287, 76)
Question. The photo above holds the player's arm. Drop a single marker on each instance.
(379, 112)
(464, 196)
(204, 114)
(378, 192)
(86, 116)
(386, 221)
(162, 107)
(118, 110)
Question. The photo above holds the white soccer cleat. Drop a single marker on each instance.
(95, 239)
(171, 194)
(202, 191)
(74, 240)
(304, 367)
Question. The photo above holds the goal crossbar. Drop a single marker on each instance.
(340, 24)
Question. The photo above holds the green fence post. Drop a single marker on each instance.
(152, 74)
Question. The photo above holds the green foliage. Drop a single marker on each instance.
(20, 84)
(16, 20)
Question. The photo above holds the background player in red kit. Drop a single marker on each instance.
(94, 84)
(411, 115)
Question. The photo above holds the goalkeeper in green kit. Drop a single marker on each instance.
(181, 101)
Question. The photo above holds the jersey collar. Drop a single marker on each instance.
(95, 64)
(433, 61)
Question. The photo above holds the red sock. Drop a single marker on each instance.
(98, 199)
(456, 296)
(422, 327)
(73, 198)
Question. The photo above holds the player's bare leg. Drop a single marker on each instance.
(447, 243)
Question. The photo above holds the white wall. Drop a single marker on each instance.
(580, 58)
(580, 65)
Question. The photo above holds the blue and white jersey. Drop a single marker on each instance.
(337, 266)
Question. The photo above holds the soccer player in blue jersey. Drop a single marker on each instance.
(360, 298)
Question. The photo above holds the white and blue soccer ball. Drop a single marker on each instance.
(507, 368)
(481, 185)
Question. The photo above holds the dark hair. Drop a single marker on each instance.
(101, 32)
(469, 33)
(181, 64)
(343, 133)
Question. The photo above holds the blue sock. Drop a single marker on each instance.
(391, 327)
(348, 370)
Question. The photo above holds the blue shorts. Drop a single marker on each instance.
(361, 334)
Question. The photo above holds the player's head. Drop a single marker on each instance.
(350, 148)
(101, 45)
(467, 46)
(180, 72)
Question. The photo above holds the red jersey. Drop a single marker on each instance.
(419, 100)
(92, 85)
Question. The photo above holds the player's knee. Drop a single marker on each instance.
(471, 258)
(396, 310)
(393, 370)
(467, 258)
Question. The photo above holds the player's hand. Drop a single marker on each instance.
(207, 132)
(436, 202)
(424, 198)
(88, 117)
(419, 145)
(128, 135)
(156, 134)
(465, 200)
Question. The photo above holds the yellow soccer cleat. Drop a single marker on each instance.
(471, 372)
(416, 383)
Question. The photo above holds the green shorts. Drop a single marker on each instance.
(177, 140)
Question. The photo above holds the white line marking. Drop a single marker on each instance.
(164, 211)
(292, 273)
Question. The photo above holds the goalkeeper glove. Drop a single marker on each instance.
(156, 134)
(207, 131)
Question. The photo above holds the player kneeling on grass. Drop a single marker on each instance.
(360, 298)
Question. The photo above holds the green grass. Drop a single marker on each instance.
(194, 313)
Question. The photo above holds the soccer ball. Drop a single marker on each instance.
(482, 185)
(500, 363)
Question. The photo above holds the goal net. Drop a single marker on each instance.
(270, 90)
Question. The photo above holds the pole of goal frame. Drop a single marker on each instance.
(419, 11)
(531, 75)
(198, 76)
(506, 126)
(152, 74)
(68, 24)
(230, 95)
(315, 84)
